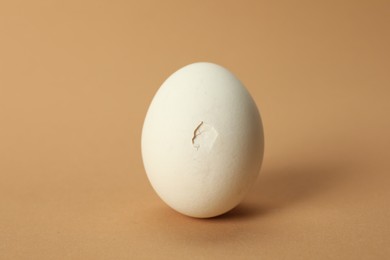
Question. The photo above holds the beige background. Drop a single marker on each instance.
(76, 79)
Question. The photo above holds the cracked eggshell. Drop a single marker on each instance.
(202, 141)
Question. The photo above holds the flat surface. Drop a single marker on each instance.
(76, 79)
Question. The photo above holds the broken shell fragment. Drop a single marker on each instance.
(202, 141)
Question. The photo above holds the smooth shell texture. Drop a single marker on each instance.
(202, 141)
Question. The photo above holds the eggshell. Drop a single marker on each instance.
(202, 141)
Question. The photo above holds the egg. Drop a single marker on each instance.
(202, 141)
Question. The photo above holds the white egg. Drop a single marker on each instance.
(202, 141)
